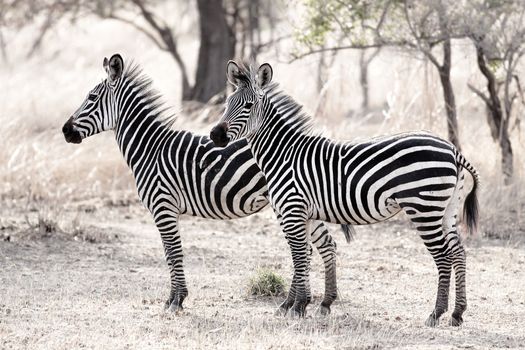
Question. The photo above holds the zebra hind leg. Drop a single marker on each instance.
(459, 262)
(456, 251)
(325, 245)
(430, 229)
(460, 265)
(443, 264)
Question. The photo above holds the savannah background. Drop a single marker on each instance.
(81, 262)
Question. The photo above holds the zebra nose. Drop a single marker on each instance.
(219, 135)
(67, 128)
(70, 133)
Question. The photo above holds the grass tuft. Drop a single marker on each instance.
(266, 283)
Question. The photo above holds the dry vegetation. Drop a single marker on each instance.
(81, 263)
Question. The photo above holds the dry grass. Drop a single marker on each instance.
(62, 295)
(60, 291)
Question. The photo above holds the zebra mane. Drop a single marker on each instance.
(138, 80)
(290, 109)
(247, 73)
(284, 103)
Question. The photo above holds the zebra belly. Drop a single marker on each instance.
(227, 195)
(228, 207)
(358, 215)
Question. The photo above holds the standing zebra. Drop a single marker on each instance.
(314, 178)
(177, 172)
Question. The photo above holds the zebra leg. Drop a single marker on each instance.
(294, 228)
(460, 266)
(459, 261)
(430, 228)
(456, 251)
(290, 298)
(325, 245)
(443, 264)
(167, 224)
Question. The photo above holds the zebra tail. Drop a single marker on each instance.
(471, 206)
(349, 232)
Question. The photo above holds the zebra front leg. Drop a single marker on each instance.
(325, 245)
(290, 299)
(294, 228)
(167, 224)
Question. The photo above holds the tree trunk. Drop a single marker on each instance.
(253, 28)
(448, 95)
(363, 79)
(217, 46)
(364, 64)
(507, 158)
(499, 125)
(450, 107)
(3, 50)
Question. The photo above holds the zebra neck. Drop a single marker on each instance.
(273, 140)
(139, 134)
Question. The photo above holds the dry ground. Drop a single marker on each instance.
(63, 293)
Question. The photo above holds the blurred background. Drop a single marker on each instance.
(362, 68)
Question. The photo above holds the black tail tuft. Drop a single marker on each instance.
(470, 209)
(349, 232)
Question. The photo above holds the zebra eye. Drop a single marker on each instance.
(92, 97)
(248, 105)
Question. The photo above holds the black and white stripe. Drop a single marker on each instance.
(177, 172)
(314, 178)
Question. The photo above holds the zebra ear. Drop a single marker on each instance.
(232, 72)
(114, 67)
(264, 74)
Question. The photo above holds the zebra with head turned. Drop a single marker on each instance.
(314, 178)
(177, 172)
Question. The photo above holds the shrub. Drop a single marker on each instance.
(266, 283)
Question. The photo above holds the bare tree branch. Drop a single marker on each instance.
(480, 94)
(143, 30)
(416, 36)
(296, 57)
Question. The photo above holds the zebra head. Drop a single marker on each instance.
(98, 111)
(240, 118)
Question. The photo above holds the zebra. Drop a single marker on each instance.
(311, 177)
(177, 172)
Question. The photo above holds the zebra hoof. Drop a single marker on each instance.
(294, 314)
(298, 310)
(175, 308)
(432, 321)
(323, 310)
(455, 321)
(281, 311)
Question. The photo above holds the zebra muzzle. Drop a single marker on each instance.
(219, 135)
(71, 134)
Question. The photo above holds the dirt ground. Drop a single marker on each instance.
(106, 289)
